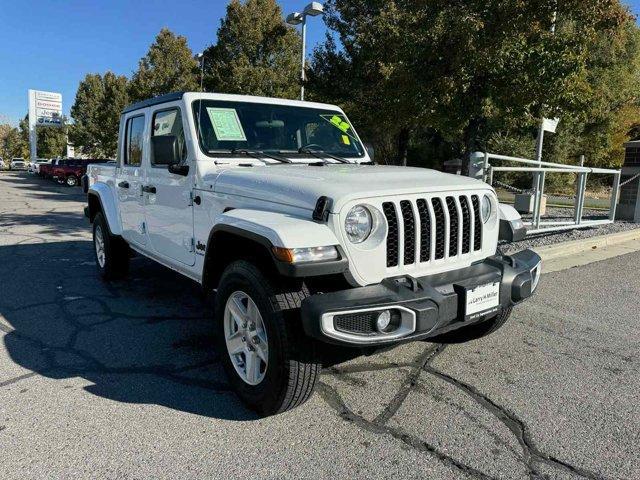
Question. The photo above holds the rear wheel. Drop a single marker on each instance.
(72, 181)
(270, 363)
(473, 332)
(111, 252)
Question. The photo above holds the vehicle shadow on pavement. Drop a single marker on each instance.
(147, 339)
(51, 224)
(41, 188)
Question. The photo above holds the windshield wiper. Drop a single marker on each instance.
(257, 154)
(321, 154)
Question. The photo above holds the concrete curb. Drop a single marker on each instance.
(574, 247)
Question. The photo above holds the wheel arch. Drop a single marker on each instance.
(237, 244)
(100, 199)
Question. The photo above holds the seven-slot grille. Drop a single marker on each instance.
(435, 228)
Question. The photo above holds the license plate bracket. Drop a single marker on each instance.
(481, 300)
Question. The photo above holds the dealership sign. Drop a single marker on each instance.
(46, 108)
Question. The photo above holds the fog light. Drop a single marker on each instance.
(383, 321)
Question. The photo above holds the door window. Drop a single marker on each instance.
(169, 122)
(134, 141)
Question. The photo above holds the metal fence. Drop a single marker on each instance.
(539, 171)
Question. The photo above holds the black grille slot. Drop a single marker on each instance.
(454, 223)
(477, 224)
(392, 235)
(363, 323)
(438, 211)
(466, 225)
(425, 230)
(409, 232)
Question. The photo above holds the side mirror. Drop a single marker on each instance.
(164, 150)
(370, 150)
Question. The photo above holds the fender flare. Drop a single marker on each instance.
(280, 229)
(511, 227)
(272, 229)
(108, 206)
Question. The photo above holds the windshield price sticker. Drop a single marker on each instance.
(338, 122)
(226, 124)
(341, 124)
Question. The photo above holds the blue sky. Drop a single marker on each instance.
(52, 45)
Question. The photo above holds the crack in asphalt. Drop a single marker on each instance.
(13, 380)
(531, 455)
(518, 428)
(379, 426)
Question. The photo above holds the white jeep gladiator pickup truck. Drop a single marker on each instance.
(312, 250)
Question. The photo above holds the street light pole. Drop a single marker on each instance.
(304, 41)
(297, 18)
(200, 58)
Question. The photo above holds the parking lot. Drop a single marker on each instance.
(122, 381)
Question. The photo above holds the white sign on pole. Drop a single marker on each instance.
(45, 109)
(550, 124)
(48, 108)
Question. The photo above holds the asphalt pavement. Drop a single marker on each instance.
(122, 380)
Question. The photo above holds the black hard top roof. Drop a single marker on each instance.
(169, 97)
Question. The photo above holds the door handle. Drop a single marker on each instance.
(149, 189)
(123, 184)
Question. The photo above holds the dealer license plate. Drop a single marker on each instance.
(483, 298)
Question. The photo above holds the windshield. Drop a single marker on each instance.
(228, 126)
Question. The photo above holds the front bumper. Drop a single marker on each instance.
(428, 306)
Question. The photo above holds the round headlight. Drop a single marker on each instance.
(486, 208)
(358, 224)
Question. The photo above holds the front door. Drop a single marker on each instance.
(168, 206)
(130, 179)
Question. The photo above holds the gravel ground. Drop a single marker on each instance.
(121, 380)
(559, 214)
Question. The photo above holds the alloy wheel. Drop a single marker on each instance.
(246, 338)
(99, 244)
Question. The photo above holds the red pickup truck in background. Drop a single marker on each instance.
(46, 168)
(68, 171)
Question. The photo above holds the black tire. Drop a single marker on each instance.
(473, 332)
(116, 251)
(71, 181)
(293, 366)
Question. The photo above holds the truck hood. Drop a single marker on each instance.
(301, 185)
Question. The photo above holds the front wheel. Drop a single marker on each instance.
(270, 363)
(72, 181)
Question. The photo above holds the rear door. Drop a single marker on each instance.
(168, 205)
(130, 177)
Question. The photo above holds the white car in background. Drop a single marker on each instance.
(35, 166)
(17, 164)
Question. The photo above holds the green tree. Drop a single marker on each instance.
(167, 67)
(96, 111)
(462, 70)
(52, 141)
(12, 144)
(257, 53)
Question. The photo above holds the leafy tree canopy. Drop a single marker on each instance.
(96, 111)
(461, 71)
(257, 53)
(167, 67)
